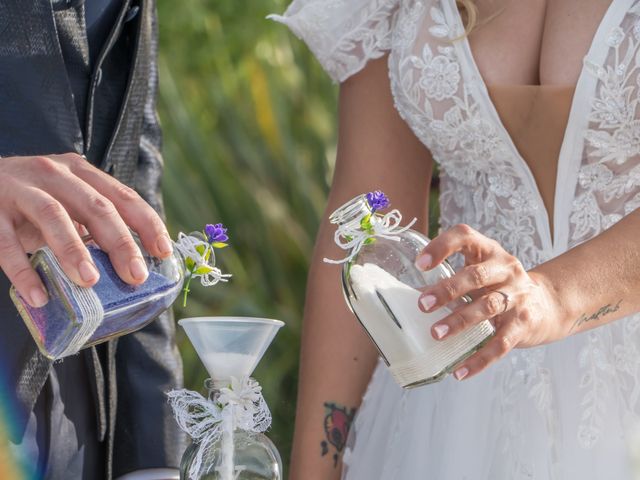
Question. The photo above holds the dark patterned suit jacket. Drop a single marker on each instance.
(112, 120)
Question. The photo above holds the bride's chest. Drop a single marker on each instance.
(534, 42)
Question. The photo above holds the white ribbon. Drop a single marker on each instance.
(351, 236)
(240, 405)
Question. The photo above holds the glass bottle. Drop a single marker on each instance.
(382, 287)
(68, 321)
(241, 456)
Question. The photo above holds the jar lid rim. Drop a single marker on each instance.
(235, 319)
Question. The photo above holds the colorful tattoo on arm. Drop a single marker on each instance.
(604, 310)
(337, 422)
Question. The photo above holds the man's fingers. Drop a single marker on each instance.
(59, 232)
(135, 212)
(16, 265)
(69, 189)
(108, 229)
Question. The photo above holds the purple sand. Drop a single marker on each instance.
(118, 295)
(124, 306)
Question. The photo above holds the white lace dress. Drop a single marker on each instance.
(564, 411)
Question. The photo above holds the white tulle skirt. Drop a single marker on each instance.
(559, 412)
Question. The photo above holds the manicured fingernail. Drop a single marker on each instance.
(461, 373)
(423, 262)
(428, 301)
(441, 330)
(138, 269)
(164, 245)
(88, 273)
(38, 297)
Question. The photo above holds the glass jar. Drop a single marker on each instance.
(240, 456)
(77, 317)
(382, 287)
(255, 457)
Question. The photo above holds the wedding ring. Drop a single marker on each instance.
(505, 298)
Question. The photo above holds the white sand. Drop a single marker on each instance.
(224, 365)
(409, 347)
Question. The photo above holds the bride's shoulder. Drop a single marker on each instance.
(342, 34)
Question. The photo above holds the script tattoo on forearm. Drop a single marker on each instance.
(604, 310)
(336, 423)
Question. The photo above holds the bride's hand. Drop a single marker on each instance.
(521, 304)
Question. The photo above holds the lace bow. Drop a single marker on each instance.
(240, 405)
(352, 236)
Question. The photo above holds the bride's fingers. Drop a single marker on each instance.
(469, 279)
(505, 339)
(489, 305)
(461, 238)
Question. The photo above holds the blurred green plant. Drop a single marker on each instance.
(249, 140)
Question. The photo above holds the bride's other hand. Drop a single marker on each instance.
(522, 305)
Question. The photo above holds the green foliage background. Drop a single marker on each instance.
(249, 127)
(248, 120)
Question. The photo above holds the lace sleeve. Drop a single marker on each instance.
(342, 34)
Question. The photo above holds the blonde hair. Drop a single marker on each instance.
(469, 11)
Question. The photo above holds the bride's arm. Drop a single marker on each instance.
(376, 150)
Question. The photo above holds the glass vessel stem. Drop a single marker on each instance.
(226, 468)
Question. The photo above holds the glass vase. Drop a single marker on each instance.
(382, 286)
(240, 455)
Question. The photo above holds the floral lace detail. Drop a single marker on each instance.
(608, 188)
(593, 360)
(626, 360)
(481, 185)
(609, 181)
(343, 48)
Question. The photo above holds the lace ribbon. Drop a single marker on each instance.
(238, 406)
(351, 235)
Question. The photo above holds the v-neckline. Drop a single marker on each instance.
(578, 113)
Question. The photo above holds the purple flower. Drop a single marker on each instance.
(377, 200)
(216, 233)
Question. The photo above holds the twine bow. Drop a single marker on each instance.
(201, 253)
(353, 235)
(239, 405)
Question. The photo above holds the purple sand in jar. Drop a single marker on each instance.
(51, 324)
(117, 298)
(126, 307)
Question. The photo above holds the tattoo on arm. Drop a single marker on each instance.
(604, 310)
(337, 422)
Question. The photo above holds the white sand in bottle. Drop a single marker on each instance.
(388, 309)
(224, 365)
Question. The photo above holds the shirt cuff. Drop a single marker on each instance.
(152, 474)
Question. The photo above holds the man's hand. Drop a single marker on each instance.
(51, 200)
